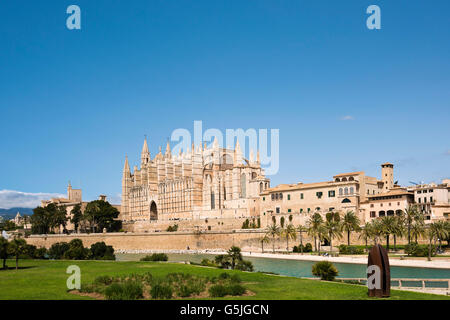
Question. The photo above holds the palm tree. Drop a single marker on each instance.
(431, 234)
(366, 233)
(332, 227)
(441, 232)
(235, 254)
(16, 248)
(263, 240)
(398, 229)
(377, 230)
(314, 228)
(290, 233)
(410, 215)
(386, 224)
(350, 223)
(273, 231)
(417, 230)
(300, 230)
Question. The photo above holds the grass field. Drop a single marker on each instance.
(43, 279)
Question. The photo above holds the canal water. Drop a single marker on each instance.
(296, 268)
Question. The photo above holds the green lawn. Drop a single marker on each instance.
(41, 279)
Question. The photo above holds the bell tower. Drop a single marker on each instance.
(387, 176)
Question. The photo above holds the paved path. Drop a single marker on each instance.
(440, 264)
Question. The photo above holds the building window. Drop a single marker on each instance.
(352, 190)
(309, 210)
(425, 200)
(371, 205)
(289, 197)
(419, 200)
(289, 210)
(340, 191)
(319, 194)
(277, 210)
(431, 199)
(373, 214)
(301, 195)
(301, 210)
(330, 209)
(243, 186)
(345, 190)
(264, 198)
(331, 193)
(273, 196)
(281, 196)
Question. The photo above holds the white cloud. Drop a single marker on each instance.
(12, 199)
(347, 118)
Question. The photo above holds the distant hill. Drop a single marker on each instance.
(11, 213)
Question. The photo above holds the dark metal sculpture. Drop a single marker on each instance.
(378, 272)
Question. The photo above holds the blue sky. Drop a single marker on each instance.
(74, 102)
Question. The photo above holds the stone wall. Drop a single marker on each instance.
(248, 240)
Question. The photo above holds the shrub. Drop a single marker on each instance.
(57, 250)
(325, 270)
(104, 280)
(345, 249)
(308, 247)
(218, 290)
(155, 257)
(235, 278)
(224, 276)
(244, 265)
(129, 290)
(100, 251)
(235, 290)
(419, 250)
(161, 291)
(172, 228)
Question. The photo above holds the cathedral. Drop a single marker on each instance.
(191, 188)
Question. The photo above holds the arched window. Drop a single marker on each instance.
(338, 180)
(381, 213)
(340, 191)
(344, 179)
(281, 196)
(351, 179)
(243, 186)
(352, 190)
(213, 200)
(345, 190)
(261, 187)
(253, 175)
(224, 193)
(346, 200)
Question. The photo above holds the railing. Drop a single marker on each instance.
(405, 282)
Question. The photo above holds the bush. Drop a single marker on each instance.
(103, 280)
(419, 250)
(345, 249)
(172, 228)
(235, 278)
(308, 247)
(100, 251)
(224, 276)
(325, 270)
(235, 290)
(218, 290)
(156, 257)
(128, 290)
(161, 291)
(57, 250)
(244, 265)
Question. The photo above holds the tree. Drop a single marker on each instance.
(387, 225)
(4, 244)
(431, 234)
(300, 230)
(332, 227)
(366, 233)
(398, 229)
(59, 218)
(417, 230)
(315, 223)
(273, 231)
(16, 248)
(77, 216)
(100, 214)
(290, 233)
(264, 239)
(235, 255)
(350, 223)
(411, 214)
(376, 229)
(441, 232)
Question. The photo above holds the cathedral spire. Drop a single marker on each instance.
(237, 153)
(126, 167)
(145, 154)
(215, 143)
(168, 152)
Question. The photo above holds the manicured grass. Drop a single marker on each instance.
(40, 279)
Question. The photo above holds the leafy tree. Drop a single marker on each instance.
(57, 250)
(77, 216)
(223, 261)
(16, 248)
(76, 250)
(100, 214)
(100, 251)
(40, 221)
(325, 270)
(7, 225)
(60, 218)
(350, 223)
(273, 231)
(4, 244)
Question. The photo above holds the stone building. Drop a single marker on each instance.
(345, 192)
(192, 187)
